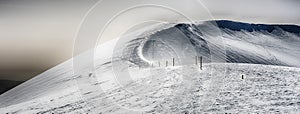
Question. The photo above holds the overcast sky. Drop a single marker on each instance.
(35, 35)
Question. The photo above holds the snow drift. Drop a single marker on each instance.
(226, 41)
(59, 90)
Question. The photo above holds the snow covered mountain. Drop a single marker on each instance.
(265, 89)
(153, 87)
(238, 43)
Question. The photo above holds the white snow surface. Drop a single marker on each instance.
(183, 88)
(264, 89)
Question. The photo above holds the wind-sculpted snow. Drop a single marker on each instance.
(264, 89)
(131, 75)
(240, 43)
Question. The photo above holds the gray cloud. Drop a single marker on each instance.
(258, 11)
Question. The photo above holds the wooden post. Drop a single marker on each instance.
(196, 59)
(166, 63)
(173, 62)
(200, 59)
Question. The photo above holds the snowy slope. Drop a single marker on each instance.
(227, 41)
(265, 89)
(218, 88)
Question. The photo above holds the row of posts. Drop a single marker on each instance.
(198, 61)
(167, 63)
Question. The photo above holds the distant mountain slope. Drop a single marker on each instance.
(238, 26)
(6, 85)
